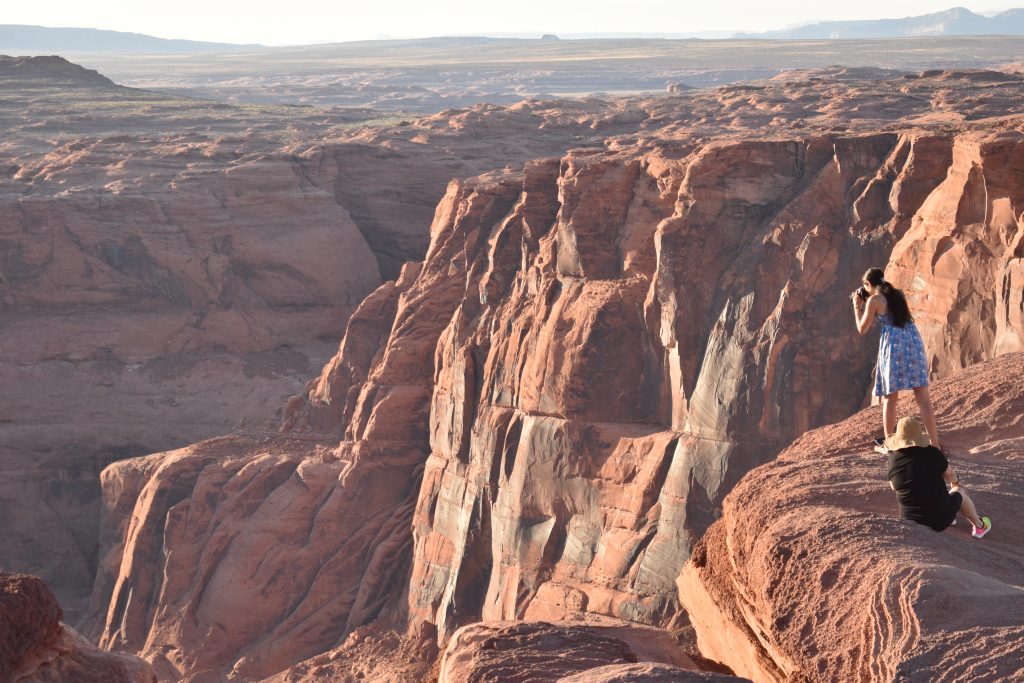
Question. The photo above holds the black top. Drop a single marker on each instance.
(916, 474)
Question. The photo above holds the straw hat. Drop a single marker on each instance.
(909, 432)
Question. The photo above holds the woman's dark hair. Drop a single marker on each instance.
(899, 311)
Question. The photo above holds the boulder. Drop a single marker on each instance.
(35, 647)
(538, 651)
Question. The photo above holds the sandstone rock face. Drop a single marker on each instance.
(172, 269)
(592, 408)
(357, 501)
(35, 647)
(578, 399)
(540, 419)
(123, 312)
(646, 673)
(265, 555)
(370, 654)
(538, 651)
(965, 245)
(811, 575)
(29, 616)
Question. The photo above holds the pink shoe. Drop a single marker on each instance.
(979, 532)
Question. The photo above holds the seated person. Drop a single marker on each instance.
(918, 473)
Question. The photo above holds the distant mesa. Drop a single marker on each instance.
(549, 36)
(957, 21)
(49, 69)
(16, 38)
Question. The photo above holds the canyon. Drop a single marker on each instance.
(620, 308)
(172, 269)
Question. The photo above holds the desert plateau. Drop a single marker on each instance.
(483, 359)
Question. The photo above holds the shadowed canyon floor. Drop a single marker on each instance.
(539, 414)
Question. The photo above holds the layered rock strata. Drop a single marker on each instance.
(173, 269)
(590, 411)
(811, 575)
(537, 652)
(540, 419)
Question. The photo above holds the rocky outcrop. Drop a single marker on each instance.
(74, 659)
(646, 673)
(590, 412)
(35, 647)
(538, 651)
(370, 654)
(540, 419)
(30, 617)
(811, 575)
(49, 71)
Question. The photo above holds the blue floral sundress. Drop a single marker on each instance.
(902, 363)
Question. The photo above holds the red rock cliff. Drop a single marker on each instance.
(543, 417)
(684, 318)
(173, 269)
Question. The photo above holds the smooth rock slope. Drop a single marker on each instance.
(811, 575)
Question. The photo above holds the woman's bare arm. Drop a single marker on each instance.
(865, 314)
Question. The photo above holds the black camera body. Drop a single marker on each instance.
(862, 293)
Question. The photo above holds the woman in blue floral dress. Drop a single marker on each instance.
(902, 362)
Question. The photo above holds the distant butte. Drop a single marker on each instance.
(48, 70)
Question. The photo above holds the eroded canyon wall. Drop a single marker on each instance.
(150, 318)
(541, 418)
(174, 269)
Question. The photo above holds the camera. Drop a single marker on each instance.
(862, 293)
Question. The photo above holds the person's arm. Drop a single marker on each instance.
(950, 476)
(864, 314)
(943, 467)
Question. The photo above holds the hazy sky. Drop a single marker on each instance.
(279, 22)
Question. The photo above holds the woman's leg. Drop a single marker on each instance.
(967, 508)
(924, 402)
(889, 413)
